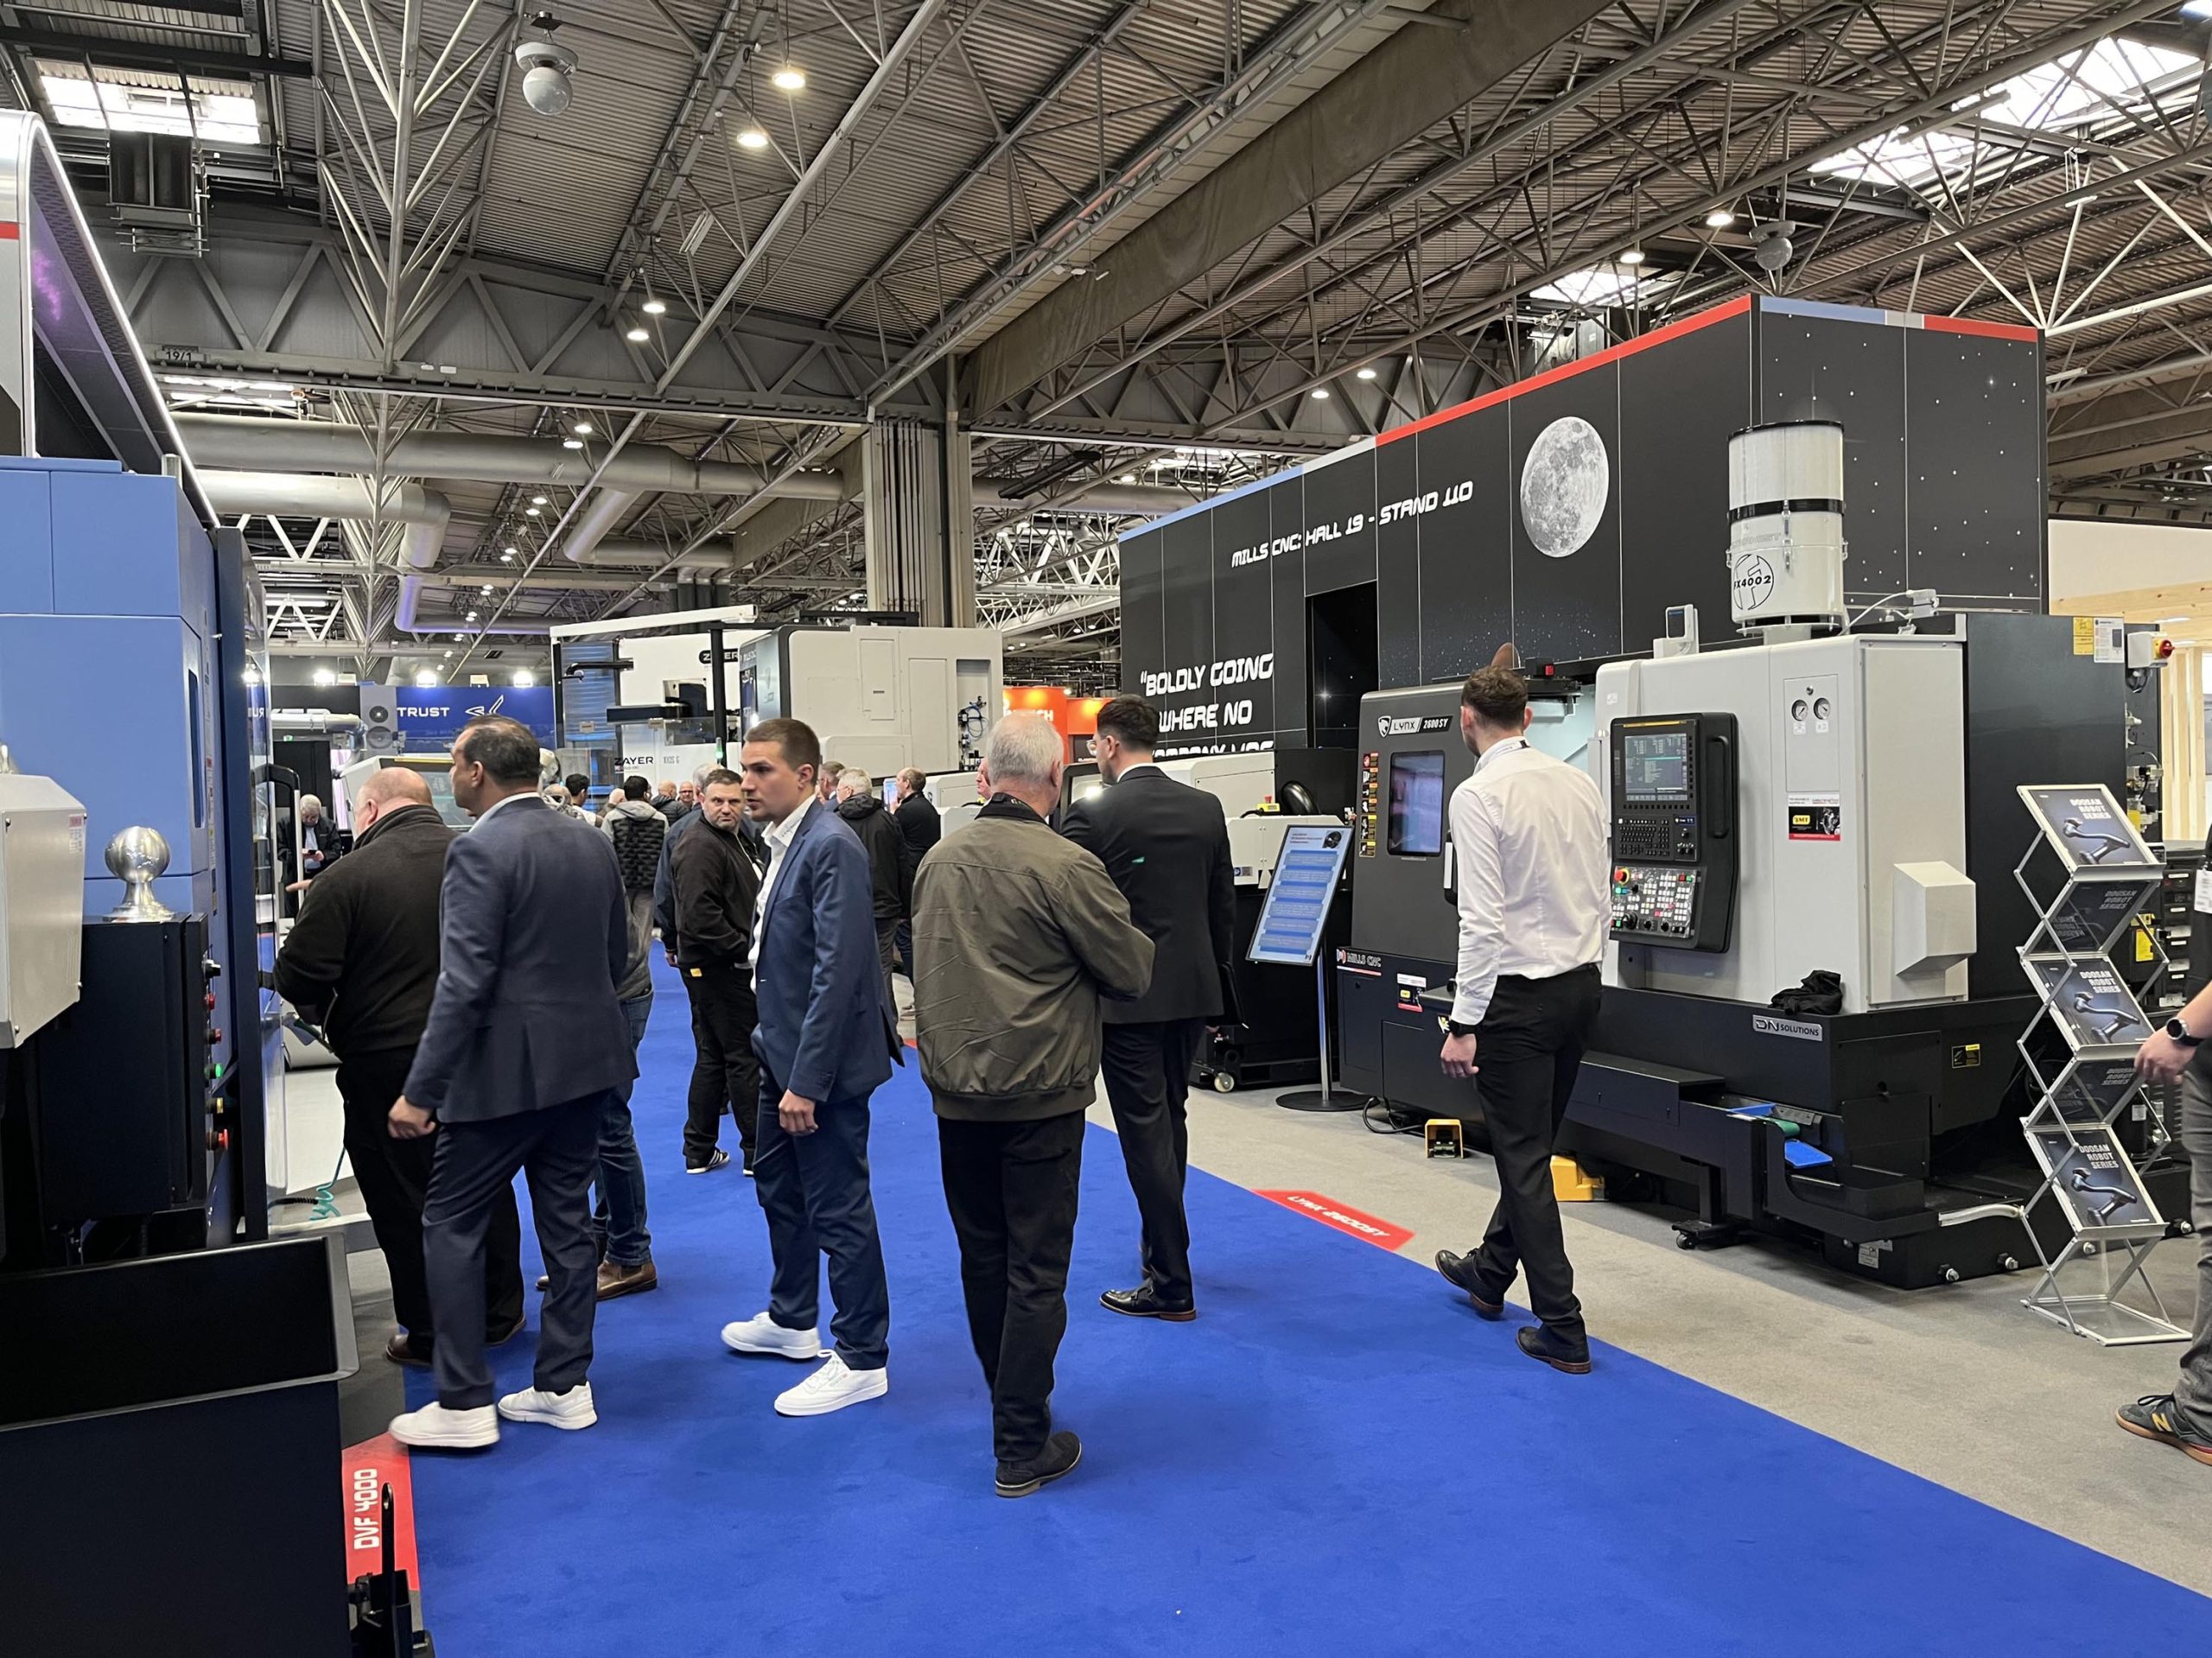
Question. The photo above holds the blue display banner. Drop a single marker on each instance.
(431, 716)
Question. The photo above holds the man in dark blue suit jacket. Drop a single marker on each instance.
(526, 1041)
(825, 1043)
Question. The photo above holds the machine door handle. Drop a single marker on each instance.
(1719, 808)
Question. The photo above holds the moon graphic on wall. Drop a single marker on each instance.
(1564, 484)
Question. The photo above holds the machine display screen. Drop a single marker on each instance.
(1417, 805)
(1656, 766)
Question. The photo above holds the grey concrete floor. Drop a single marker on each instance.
(1960, 1385)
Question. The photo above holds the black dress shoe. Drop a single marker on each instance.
(1060, 1455)
(1461, 1270)
(403, 1349)
(1538, 1344)
(1144, 1303)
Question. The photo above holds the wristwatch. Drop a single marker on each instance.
(2179, 1032)
(1457, 1029)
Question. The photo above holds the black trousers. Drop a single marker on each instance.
(394, 1176)
(1528, 1049)
(1148, 1070)
(725, 1074)
(814, 1192)
(886, 947)
(558, 1149)
(1011, 1187)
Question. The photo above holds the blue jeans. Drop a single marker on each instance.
(620, 1220)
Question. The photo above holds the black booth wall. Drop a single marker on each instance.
(1240, 618)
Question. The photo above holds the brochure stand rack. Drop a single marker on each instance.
(2088, 875)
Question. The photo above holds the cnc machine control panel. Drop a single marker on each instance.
(1673, 812)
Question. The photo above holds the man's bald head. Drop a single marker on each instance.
(393, 787)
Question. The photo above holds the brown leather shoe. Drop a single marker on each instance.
(615, 1280)
(403, 1349)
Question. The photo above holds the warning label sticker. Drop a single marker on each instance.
(1815, 817)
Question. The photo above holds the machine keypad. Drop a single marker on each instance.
(1652, 902)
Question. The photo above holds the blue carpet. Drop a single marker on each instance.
(1338, 1456)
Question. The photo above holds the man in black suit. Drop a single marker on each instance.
(361, 961)
(1166, 847)
(527, 1041)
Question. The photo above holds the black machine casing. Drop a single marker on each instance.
(120, 1107)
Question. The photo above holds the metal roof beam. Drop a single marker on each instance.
(1414, 80)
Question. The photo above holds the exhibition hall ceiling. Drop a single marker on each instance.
(1137, 245)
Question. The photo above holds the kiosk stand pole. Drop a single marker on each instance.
(1323, 1098)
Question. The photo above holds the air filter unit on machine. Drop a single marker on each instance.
(1785, 525)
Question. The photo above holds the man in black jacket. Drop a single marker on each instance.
(1166, 847)
(362, 961)
(718, 892)
(921, 828)
(887, 861)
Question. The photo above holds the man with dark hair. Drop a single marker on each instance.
(1166, 847)
(579, 788)
(362, 961)
(920, 827)
(1530, 836)
(825, 1043)
(887, 860)
(625, 1267)
(525, 1045)
(717, 898)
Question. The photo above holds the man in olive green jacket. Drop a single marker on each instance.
(1017, 934)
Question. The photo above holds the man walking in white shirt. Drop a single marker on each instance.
(1530, 836)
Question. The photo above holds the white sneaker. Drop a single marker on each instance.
(572, 1409)
(832, 1388)
(435, 1428)
(762, 1334)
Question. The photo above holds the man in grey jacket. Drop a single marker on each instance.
(1017, 935)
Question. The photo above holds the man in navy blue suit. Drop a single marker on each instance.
(825, 1043)
(525, 1042)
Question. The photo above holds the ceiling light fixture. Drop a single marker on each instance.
(789, 79)
(751, 138)
(538, 500)
(582, 428)
(1127, 478)
(1633, 256)
(1367, 373)
(488, 590)
(1320, 394)
(567, 443)
(1719, 220)
(524, 679)
(470, 617)
(636, 334)
(654, 307)
(324, 677)
(532, 511)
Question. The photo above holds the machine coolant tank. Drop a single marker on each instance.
(1785, 525)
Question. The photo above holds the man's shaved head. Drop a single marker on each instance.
(396, 786)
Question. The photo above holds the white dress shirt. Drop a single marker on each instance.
(1529, 835)
(779, 840)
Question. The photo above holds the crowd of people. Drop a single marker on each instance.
(485, 994)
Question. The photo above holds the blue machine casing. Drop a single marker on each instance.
(107, 665)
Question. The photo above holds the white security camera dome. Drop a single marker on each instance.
(546, 68)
